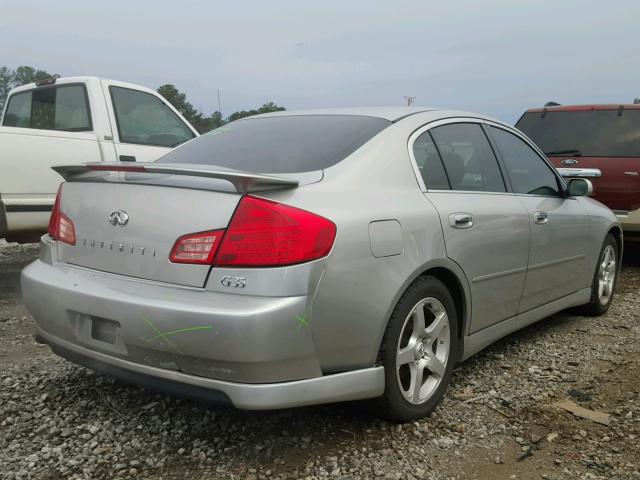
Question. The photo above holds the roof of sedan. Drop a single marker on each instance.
(388, 113)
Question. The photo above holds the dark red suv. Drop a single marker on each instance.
(604, 138)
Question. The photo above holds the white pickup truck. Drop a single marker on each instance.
(69, 120)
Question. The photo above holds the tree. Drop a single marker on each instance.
(217, 120)
(179, 100)
(6, 84)
(270, 107)
(25, 74)
(198, 119)
(20, 76)
(266, 108)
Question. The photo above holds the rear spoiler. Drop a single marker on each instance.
(244, 182)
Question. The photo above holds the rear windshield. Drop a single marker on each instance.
(591, 133)
(287, 144)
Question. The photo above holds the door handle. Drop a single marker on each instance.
(127, 158)
(541, 218)
(461, 220)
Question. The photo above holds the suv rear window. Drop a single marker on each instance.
(591, 133)
(286, 144)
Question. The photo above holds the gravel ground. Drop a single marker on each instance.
(498, 419)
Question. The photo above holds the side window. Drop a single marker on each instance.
(71, 110)
(528, 172)
(468, 158)
(429, 163)
(144, 119)
(62, 108)
(18, 113)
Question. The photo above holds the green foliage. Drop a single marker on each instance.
(24, 75)
(20, 76)
(6, 83)
(266, 108)
(198, 119)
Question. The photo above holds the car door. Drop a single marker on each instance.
(558, 262)
(144, 125)
(486, 229)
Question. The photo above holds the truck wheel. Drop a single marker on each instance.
(418, 351)
(604, 279)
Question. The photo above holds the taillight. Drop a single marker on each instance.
(61, 227)
(196, 247)
(264, 233)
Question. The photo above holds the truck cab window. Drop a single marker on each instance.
(145, 119)
(62, 108)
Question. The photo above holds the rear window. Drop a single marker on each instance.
(287, 144)
(63, 108)
(591, 133)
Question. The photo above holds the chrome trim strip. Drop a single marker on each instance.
(339, 387)
(491, 276)
(580, 172)
(555, 262)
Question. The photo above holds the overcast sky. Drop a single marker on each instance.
(495, 57)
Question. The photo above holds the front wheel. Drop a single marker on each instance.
(419, 351)
(604, 279)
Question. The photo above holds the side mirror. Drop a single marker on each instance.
(579, 187)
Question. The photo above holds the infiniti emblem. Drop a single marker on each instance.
(119, 218)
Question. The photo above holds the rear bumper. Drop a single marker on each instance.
(236, 338)
(250, 350)
(354, 385)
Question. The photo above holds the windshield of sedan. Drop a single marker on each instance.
(280, 144)
(590, 133)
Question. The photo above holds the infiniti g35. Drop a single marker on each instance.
(299, 258)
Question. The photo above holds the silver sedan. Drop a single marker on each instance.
(298, 258)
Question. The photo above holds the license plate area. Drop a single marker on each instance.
(98, 333)
(104, 330)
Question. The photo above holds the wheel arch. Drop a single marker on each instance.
(616, 231)
(452, 276)
(4, 228)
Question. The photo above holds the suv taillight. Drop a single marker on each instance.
(261, 233)
(61, 227)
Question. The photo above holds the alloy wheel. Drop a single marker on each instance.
(606, 274)
(423, 350)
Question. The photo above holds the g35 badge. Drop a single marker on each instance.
(233, 282)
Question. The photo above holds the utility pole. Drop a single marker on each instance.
(219, 108)
(410, 100)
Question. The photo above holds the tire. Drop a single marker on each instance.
(606, 277)
(405, 351)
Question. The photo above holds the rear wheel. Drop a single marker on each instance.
(604, 279)
(419, 351)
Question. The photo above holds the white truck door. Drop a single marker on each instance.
(42, 127)
(144, 125)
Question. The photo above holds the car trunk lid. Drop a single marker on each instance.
(152, 218)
